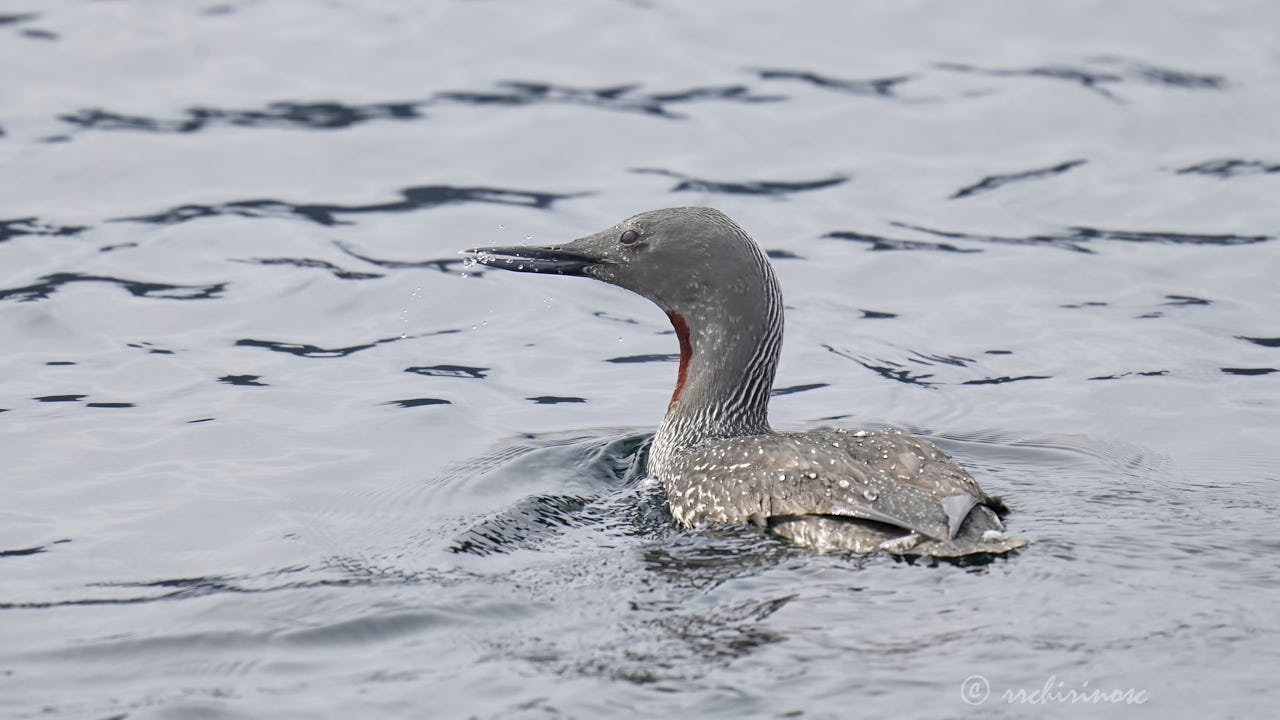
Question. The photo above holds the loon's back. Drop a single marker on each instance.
(858, 491)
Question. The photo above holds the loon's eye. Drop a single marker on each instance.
(629, 237)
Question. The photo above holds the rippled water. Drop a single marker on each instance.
(269, 451)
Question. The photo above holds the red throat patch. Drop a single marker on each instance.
(686, 352)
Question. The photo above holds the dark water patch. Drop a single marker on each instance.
(903, 372)
(110, 405)
(754, 187)
(1144, 373)
(1248, 371)
(244, 380)
(1185, 300)
(1048, 240)
(782, 255)
(323, 115)
(923, 359)
(419, 402)
(446, 265)
(1230, 168)
(200, 420)
(50, 284)
(876, 315)
(1075, 238)
(882, 87)
(337, 271)
(555, 399)
(1264, 342)
(796, 389)
(1088, 79)
(878, 242)
(654, 357)
(1004, 379)
(998, 352)
(991, 182)
(38, 34)
(59, 363)
(23, 552)
(117, 246)
(197, 587)
(1086, 304)
(337, 115)
(59, 398)
(887, 369)
(621, 98)
(17, 18)
(1097, 80)
(732, 93)
(413, 198)
(34, 226)
(150, 348)
(1167, 76)
(605, 315)
(458, 371)
(312, 351)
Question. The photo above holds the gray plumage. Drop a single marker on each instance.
(714, 453)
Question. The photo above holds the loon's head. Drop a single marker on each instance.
(715, 285)
(687, 260)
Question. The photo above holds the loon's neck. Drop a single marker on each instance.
(728, 356)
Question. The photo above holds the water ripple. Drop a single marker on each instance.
(1095, 80)
(648, 358)
(243, 380)
(444, 265)
(49, 284)
(414, 198)
(888, 369)
(555, 399)
(459, 371)
(1074, 239)
(34, 226)
(623, 98)
(1230, 167)
(335, 115)
(419, 402)
(1264, 342)
(757, 187)
(797, 389)
(316, 116)
(882, 87)
(312, 351)
(338, 272)
(19, 18)
(879, 242)
(991, 182)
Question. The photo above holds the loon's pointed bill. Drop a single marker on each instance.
(532, 259)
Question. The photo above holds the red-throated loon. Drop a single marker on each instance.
(715, 454)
